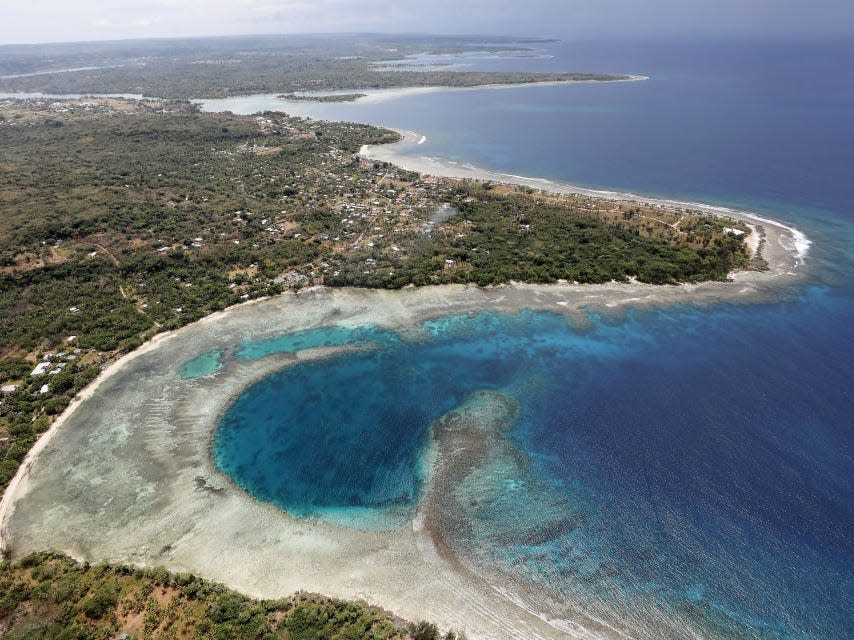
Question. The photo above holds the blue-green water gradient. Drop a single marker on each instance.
(704, 456)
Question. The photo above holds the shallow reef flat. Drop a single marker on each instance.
(127, 473)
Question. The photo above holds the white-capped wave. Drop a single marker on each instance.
(794, 241)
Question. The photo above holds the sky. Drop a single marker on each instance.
(34, 21)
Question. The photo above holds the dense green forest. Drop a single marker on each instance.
(47, 596)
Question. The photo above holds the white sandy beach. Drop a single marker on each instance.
(789, 245)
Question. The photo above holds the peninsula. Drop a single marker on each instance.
(224, 67)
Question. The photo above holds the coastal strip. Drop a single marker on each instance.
(785, 249)
(377, 96)
(128, 476)
(126, 473)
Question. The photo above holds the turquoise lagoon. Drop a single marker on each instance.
(202, 365)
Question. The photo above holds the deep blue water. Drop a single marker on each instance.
(706, 455)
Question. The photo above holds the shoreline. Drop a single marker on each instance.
(128, 476)
(377, 96)
(775, 254)
(370, 96)
(82, 396)
(303, 108)
(313, 549)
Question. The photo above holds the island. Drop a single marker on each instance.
(137, 233)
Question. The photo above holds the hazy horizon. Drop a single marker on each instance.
(52, 21)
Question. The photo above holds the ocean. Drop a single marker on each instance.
(677, 471)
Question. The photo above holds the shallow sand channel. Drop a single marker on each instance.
(127, 475)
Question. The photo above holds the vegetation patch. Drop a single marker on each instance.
(223, 67)
(49, 596)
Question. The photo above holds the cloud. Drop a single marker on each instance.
(99, 19)
(135, 23)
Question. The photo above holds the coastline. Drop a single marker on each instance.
(147, 492)
(179, 511)
(256, 102)
(781, 241)
(84, 395)
(377, 96)
(435, 576)
(368, 96)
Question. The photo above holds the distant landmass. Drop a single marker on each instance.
(222, 67)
